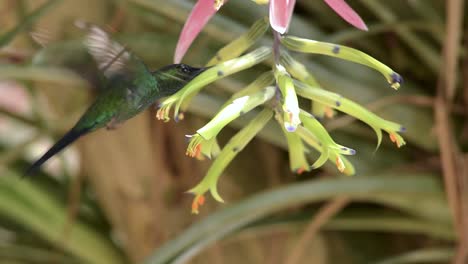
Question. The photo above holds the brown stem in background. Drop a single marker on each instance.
(452, 169)
(463, 166)
(464, 135)
(324, 214)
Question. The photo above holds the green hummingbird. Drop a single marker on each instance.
(130, 88)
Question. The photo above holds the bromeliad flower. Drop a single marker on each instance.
(276, 92)
(280, 14)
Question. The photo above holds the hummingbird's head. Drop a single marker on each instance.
(181, 72)
(174, 77)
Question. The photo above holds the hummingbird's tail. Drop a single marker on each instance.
(66, 140)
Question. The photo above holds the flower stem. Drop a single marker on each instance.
(276, 46)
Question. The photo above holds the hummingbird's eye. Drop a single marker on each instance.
(184, 68)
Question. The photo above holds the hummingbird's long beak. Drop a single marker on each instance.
(200, 70)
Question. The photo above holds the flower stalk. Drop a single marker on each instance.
(288, 80)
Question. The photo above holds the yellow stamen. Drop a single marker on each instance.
(218, 4)
(194, 152)
(340, 164)
(198, 201)
(160, 114)
(329, 112)
(393, 138)
(300, 170)
(181, 116)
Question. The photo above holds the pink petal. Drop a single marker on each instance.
(280, 14)
(347, 13)
(14, 98)
(200, 15)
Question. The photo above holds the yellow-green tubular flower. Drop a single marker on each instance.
(297, 159)
(351, 108)
(290, 103)
(241, 44)
(340, 161)
(229, 152)
(262, 81)
(236, 108)
(199, 147)
(212, 74)
(342, 52)
(330, 149)
(299, 71)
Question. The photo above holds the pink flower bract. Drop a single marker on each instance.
(280, 14)
(200, 15)
(347, 13)
(280, 17)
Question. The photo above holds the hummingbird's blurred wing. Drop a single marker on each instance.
(112, 57)
(68, 54)
(43, 37)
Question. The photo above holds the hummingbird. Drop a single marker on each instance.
(129, 88)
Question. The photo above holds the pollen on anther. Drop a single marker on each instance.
(300, 170)
(179, 117)
(160, 114)
(198, 201)
(394, 139)
(339, 164)
(329, 112)
(197, 150)
(194, 152)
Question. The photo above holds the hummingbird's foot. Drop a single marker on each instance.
(113, 124)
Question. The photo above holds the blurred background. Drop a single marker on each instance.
(120, 196)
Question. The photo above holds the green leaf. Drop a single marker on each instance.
(374, 189)
(426, 256)
(32, 207)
